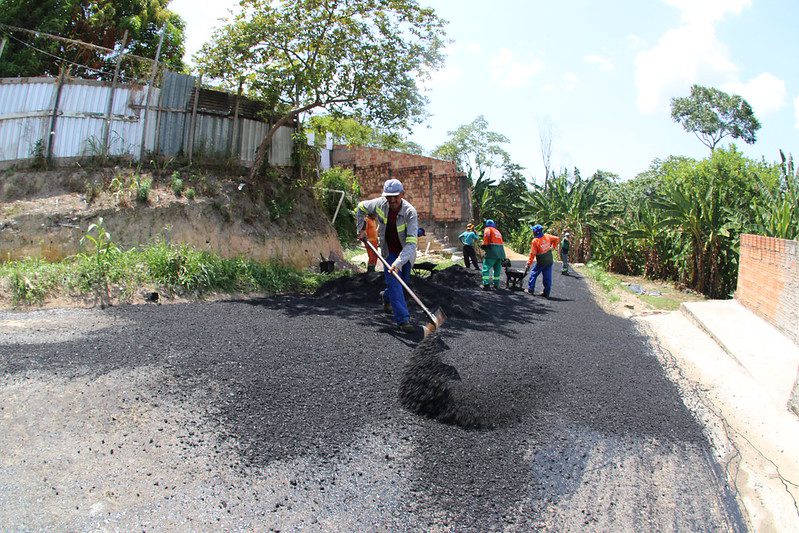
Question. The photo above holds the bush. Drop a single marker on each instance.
(142, 187)
(339, 179)
(191, 193)
(177, 184)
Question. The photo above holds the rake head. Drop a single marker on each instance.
(437, 320)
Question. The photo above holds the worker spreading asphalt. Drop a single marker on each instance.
(285, 413)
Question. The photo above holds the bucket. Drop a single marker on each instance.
(326, 267)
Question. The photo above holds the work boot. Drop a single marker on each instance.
(387, 308)
(486, 287)
(407, 327)
(370, 268)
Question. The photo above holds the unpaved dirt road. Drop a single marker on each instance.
(282, 413)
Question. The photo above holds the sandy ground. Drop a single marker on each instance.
(757, 434)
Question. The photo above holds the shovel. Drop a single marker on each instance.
(436, 319)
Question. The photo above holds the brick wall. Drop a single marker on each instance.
(364, 156)
(768, 281)
(439, 193)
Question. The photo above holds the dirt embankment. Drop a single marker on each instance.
(45, 213)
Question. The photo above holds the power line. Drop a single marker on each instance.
(73, 41)
(63, 59)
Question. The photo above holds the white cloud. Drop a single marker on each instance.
(602, 62)
(634, 42)
(570, 81)
(688, 54)
(707, 11)
(511, 72)
(796, 110)
(765, 93)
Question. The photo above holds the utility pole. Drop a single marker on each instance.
(3, 45)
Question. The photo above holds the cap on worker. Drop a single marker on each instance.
(470, 227)
(490, 223)
(538, 230)
(392, 187)
(567, 234)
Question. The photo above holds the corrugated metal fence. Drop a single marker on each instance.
(70, 118)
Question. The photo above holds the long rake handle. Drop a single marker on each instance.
(402, 282)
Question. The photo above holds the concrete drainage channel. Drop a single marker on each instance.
(287, 413)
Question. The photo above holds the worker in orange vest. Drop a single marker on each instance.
(371, 236)
(494, 255)
(541, 247)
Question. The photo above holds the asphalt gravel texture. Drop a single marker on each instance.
(286, 413)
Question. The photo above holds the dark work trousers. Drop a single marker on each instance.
(470, 254)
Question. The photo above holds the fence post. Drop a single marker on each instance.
(194, 116)
(233, 146)
(110, 107)
(147, 98)
(54, 116)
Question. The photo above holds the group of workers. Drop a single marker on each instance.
(392, 221)
(541, 253)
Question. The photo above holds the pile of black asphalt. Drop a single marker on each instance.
(554, 398)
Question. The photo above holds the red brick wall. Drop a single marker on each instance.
(363, 156)
(420, 176)
(768, 281)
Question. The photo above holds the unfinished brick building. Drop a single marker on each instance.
(440, 194)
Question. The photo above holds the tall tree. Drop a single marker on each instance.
(362, 59)
(98, 22)
(476, 149)
(546, 135)
(711, 115)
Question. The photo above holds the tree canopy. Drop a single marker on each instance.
(712, 114)
(475, 149)
(347, 130)
(362, 59)
(98, 22)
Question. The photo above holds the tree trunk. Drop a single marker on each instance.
(263, 148)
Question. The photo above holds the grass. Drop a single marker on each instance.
(662, 303)
(177, 270)
(607, 282)
(446, 263)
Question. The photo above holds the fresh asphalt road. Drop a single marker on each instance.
(283, 413)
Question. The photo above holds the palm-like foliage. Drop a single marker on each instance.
(776, 209)
(582, 206)
(701, 216)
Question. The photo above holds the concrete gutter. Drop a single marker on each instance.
(766, 354)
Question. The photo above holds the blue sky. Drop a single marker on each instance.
(601, 74)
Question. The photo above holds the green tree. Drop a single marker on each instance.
(98, 22)
(362, 59)
(476, 149)
(708, 204)
(569, 202)
(349, 131)
(711, 115)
